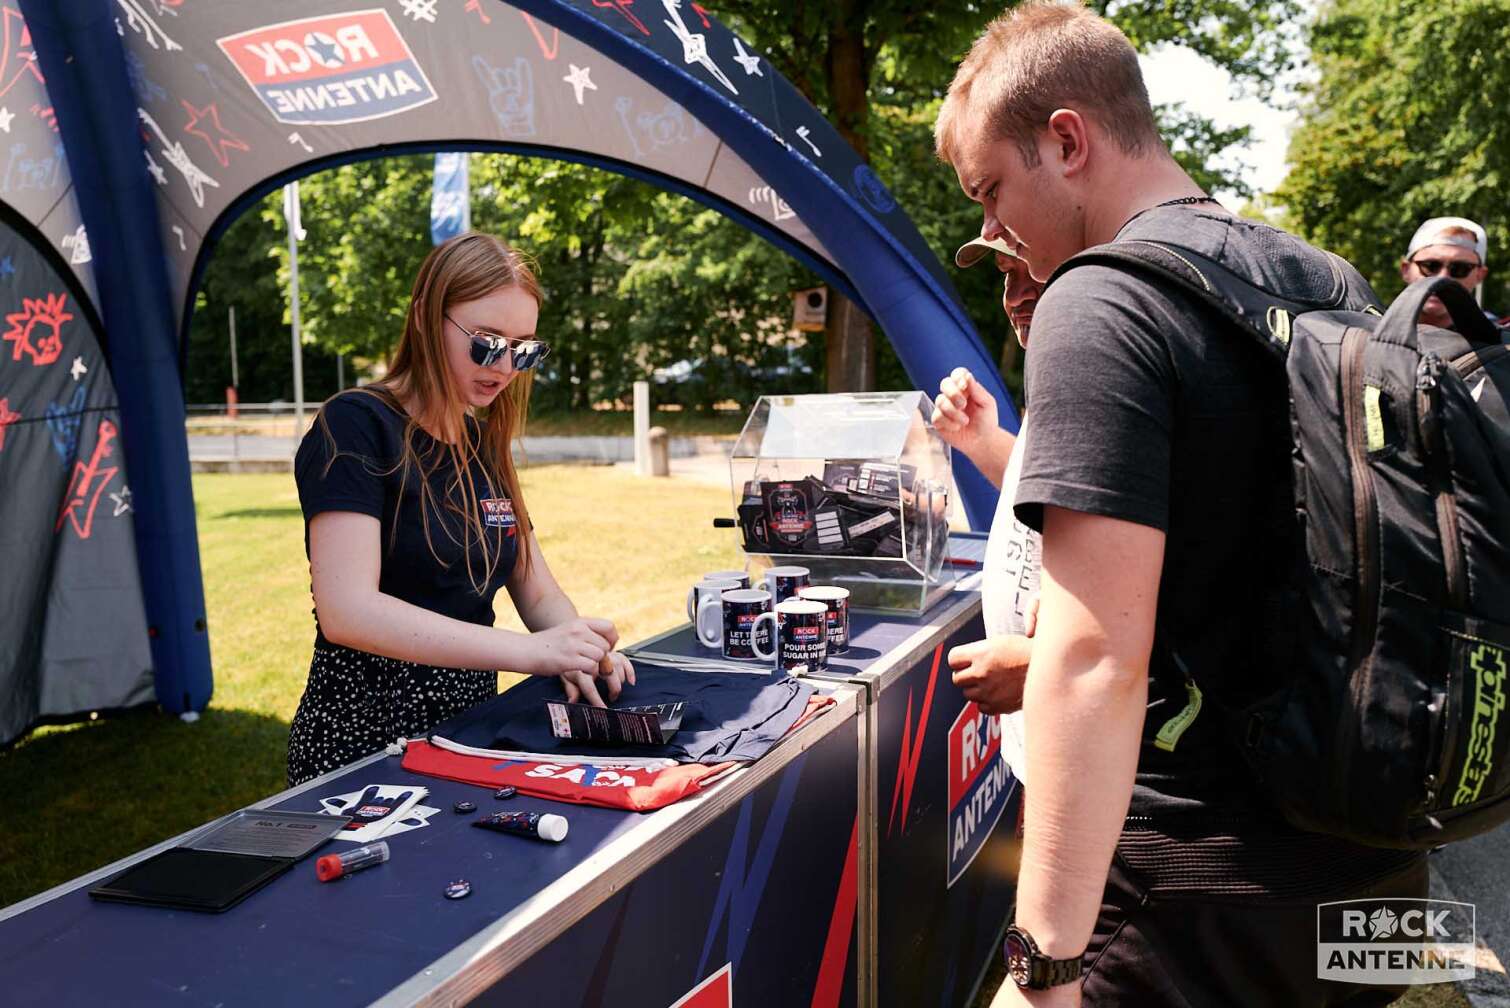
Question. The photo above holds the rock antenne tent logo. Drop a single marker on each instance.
(337, 68)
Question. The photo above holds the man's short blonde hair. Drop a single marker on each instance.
(1041, 56)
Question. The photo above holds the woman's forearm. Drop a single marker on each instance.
(382, 624)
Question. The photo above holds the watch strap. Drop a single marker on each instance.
(1043, 972)
(1058, 971)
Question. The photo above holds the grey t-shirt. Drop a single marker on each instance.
(1149, 407)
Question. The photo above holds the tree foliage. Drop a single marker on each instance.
(1402, 123)
(637, 279)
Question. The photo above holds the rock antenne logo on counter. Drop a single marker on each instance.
(980, 783)
(337, 68)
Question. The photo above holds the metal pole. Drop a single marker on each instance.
(293, 297)
(340, 372)
(235, 384)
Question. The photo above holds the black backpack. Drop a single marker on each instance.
(1392, 730)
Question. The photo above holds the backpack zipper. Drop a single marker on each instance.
(1365, 506)
(1366, 543)
(1429, 415)
(1475, 360)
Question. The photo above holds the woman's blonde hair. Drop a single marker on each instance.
(464, 268)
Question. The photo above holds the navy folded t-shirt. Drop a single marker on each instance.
(728, 717)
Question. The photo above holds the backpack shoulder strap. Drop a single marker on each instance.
(1254, 310)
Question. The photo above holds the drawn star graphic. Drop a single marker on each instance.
(6, 115)
(223, 137)
(579, 80)
(7, 268)
(78, 370)
(122, 501)
(746, 60)
(156, 170)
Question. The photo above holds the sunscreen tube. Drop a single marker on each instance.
(540, 825)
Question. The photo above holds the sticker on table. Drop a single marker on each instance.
(375, 809)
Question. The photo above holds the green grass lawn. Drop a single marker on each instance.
(84, 795)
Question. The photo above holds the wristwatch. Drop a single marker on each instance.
(1030, 969)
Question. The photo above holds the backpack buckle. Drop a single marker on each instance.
(1255, 732)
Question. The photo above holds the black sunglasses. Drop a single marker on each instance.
(1456, 270)
(488, 349)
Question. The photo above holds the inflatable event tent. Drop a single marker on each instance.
(136, 131)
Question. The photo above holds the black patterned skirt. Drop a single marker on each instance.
(355, 703)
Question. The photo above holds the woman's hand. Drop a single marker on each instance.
(577, 645)
(613, 672)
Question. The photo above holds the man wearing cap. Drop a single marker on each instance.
(1454, 245)
(990, 672)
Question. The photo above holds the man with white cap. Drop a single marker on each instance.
(990, 672)
(1454, 245)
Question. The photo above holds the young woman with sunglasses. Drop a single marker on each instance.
(414, 520)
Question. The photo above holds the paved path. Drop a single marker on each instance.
(1477, 871)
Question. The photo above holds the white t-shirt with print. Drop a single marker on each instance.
(1009, 583)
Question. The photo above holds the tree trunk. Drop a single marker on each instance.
(850, 340)
(851, 345)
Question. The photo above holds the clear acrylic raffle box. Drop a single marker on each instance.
(853, 486)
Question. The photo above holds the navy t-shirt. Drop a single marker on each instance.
(357, 468)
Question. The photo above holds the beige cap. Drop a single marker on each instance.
(976, 249)
(1432, 233)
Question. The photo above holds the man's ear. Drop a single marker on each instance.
(1068, 139)
(1405, 270)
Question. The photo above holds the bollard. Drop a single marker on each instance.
(660, 451)
(641, 426)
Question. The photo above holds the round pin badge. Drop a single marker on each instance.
(505, 792)
(459, 889)
(465, 806)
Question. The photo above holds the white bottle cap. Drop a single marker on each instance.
(552, 827)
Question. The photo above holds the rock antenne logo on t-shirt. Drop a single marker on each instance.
(498, 512)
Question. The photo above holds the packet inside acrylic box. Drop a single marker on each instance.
(853, 486)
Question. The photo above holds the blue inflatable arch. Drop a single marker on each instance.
(176, 114)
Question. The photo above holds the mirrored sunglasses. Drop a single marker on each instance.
(1456, 270)
(488, 349)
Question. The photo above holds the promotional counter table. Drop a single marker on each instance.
(940, 855)
(869, 859)
(747, 890)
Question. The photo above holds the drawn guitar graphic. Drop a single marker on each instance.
(88, 482)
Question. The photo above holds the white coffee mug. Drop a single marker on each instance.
(740, 579)
(837, 601)
(744, 610)
(706, 601)
(784, 582)
(802, 635)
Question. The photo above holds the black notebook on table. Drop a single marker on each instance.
(225, 864)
